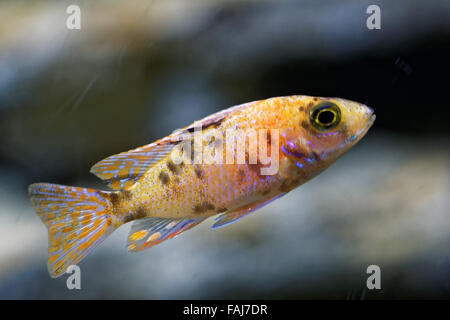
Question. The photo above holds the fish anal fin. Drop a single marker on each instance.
(146, 233)
(236, 214)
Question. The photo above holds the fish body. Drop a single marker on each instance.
(230, 163)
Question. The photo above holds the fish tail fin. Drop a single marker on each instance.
(77, 219)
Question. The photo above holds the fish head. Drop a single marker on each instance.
(323, 129)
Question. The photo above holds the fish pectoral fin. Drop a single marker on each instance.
(123, 170)
(147, 232)
(236, 214)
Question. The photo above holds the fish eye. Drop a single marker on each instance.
(325, 116)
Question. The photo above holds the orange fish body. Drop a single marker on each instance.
(230, 163)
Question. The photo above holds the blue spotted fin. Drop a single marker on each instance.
(77, 219)
(234, 215)
(123, 170)
(147, 232)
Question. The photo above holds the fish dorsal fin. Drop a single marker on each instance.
(146, 233)
(123, 170)
(236, 214)
(212, 120)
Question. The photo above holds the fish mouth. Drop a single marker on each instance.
(370, 119)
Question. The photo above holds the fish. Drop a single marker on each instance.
(217, 166)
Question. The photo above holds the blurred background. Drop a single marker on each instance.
(138, 70)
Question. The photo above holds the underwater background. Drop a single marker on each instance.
(136, 71)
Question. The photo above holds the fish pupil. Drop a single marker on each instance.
(326, 117)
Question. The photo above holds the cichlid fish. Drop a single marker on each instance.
(175, 183)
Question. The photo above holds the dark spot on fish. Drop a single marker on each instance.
(192, 151)
(198, 172)
(163, 177)
(172, 167)
(255, 168)
(315, 98)
(241, 175)
(221, 209)
(127, 194)
(286, 186)
(140, 213)
(305, 124)
(315, 155)
(301, 109)
(203, 207)
(265, 192)
(214, 124)
(128, 218)
(269, 138)
(114, 198)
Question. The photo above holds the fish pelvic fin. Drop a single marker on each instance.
(234, 215)
(78, 220)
